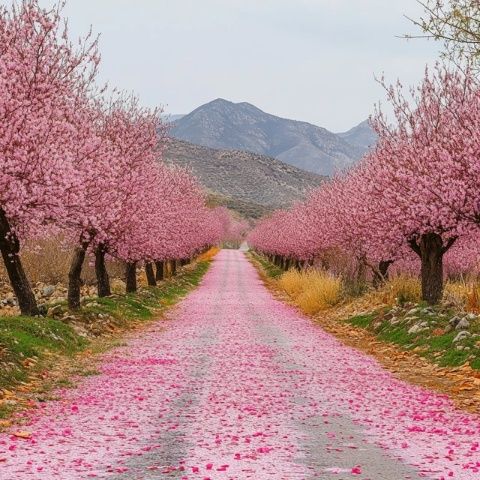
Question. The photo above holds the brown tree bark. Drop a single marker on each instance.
(131, 277)
(380, 274)
(74, 276)
(152, 282)
(431, 249)
(10, 248)
(103, 280)
(160, 271)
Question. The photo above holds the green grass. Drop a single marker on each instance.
(23, 338)
(144, 304)
(271, 270)
(362, 321)
(437, 347)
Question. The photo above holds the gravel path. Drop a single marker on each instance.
(241, 386)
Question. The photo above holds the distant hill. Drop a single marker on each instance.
(172, 117)
(241, 126)
(362, 136)
(249, 183)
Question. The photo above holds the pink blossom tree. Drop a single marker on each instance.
(42, 80)
(423, 165)
(118, 170)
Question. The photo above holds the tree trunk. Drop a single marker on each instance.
(173, 264)
(152, 282)
(431, 250)
(380, 275)
(361, 271)
(103, 281)
(131, 277)
(74, 276)
(10, 248)
(167, 269)
(160, 271)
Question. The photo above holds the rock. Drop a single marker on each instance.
(463, 324)
(471, 317)
(394, 321)
(413, 311)
(48, 291)
(454, 321)
(459, 347)
(463, 335)
(10, 300)
(418, 327)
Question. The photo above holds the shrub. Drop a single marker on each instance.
(401, 289)
(312, 290)
(463, 295)
(293, 282)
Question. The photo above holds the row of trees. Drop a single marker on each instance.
(411, 200)
(79, 163)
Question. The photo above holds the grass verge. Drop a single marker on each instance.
(268, 269)
(429, 332)
(31, 347)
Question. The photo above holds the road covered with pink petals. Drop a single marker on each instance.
(237, 385)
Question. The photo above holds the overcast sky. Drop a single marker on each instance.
(312, 60)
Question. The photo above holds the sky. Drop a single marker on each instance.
(311, 60)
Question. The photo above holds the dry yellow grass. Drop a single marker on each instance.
(463, 295)
(208, 255)
(404, 288)
(312, 290)
(401, 288)
(48, 261)
(293, 282)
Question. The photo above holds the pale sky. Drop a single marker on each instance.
(312, 60)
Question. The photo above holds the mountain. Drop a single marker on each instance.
(362, 136)
(172, 117)
(241, 126)
(247, 182)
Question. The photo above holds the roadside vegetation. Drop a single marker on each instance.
(31, 346)
(433, 345)
(312, 290)
(447, 334)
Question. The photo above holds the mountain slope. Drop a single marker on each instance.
(362, 136)
(241, 126)
(247, 182)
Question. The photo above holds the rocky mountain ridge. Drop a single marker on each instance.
(247, 182)
(225, 125)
